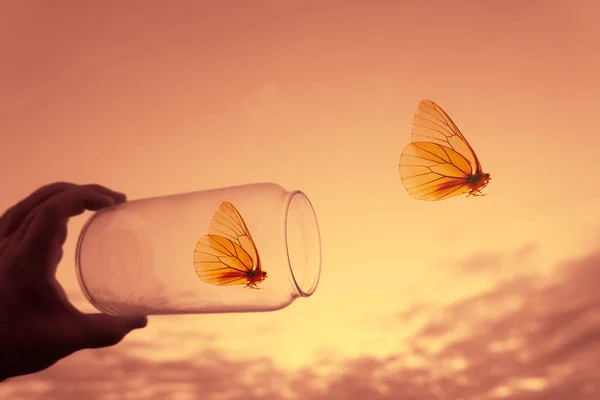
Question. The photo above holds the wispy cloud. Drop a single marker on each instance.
(524, 340)
(497, 262)
(482, 262)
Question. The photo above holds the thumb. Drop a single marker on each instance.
(102, 330)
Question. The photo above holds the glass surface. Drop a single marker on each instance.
(155, 256)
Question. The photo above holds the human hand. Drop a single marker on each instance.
(38, 324)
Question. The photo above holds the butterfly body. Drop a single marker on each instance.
(227, 255)
(477, 182)
(439, 163)
(255, 277)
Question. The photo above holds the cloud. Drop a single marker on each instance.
(496, 261)
(482, 262)
(525, 252)
(527, 339)
(114, 374)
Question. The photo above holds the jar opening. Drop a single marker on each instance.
(303, 243)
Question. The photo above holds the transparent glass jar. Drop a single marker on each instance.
(155, 256)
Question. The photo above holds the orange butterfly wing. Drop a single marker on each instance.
(439, 162)
(227, 255)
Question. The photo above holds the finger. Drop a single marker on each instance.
(118, 197)
(43, 253)
(46, 228)
(14, 216)
(102, 330)
(75, 191)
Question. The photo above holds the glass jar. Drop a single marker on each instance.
(245, 248)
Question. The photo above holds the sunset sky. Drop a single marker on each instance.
(481, 298)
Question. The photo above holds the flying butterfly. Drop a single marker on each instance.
(228, 255)
(439, 163)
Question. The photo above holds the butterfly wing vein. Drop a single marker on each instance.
(439, 162)
(227, 254)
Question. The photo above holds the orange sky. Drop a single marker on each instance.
(155, 98)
